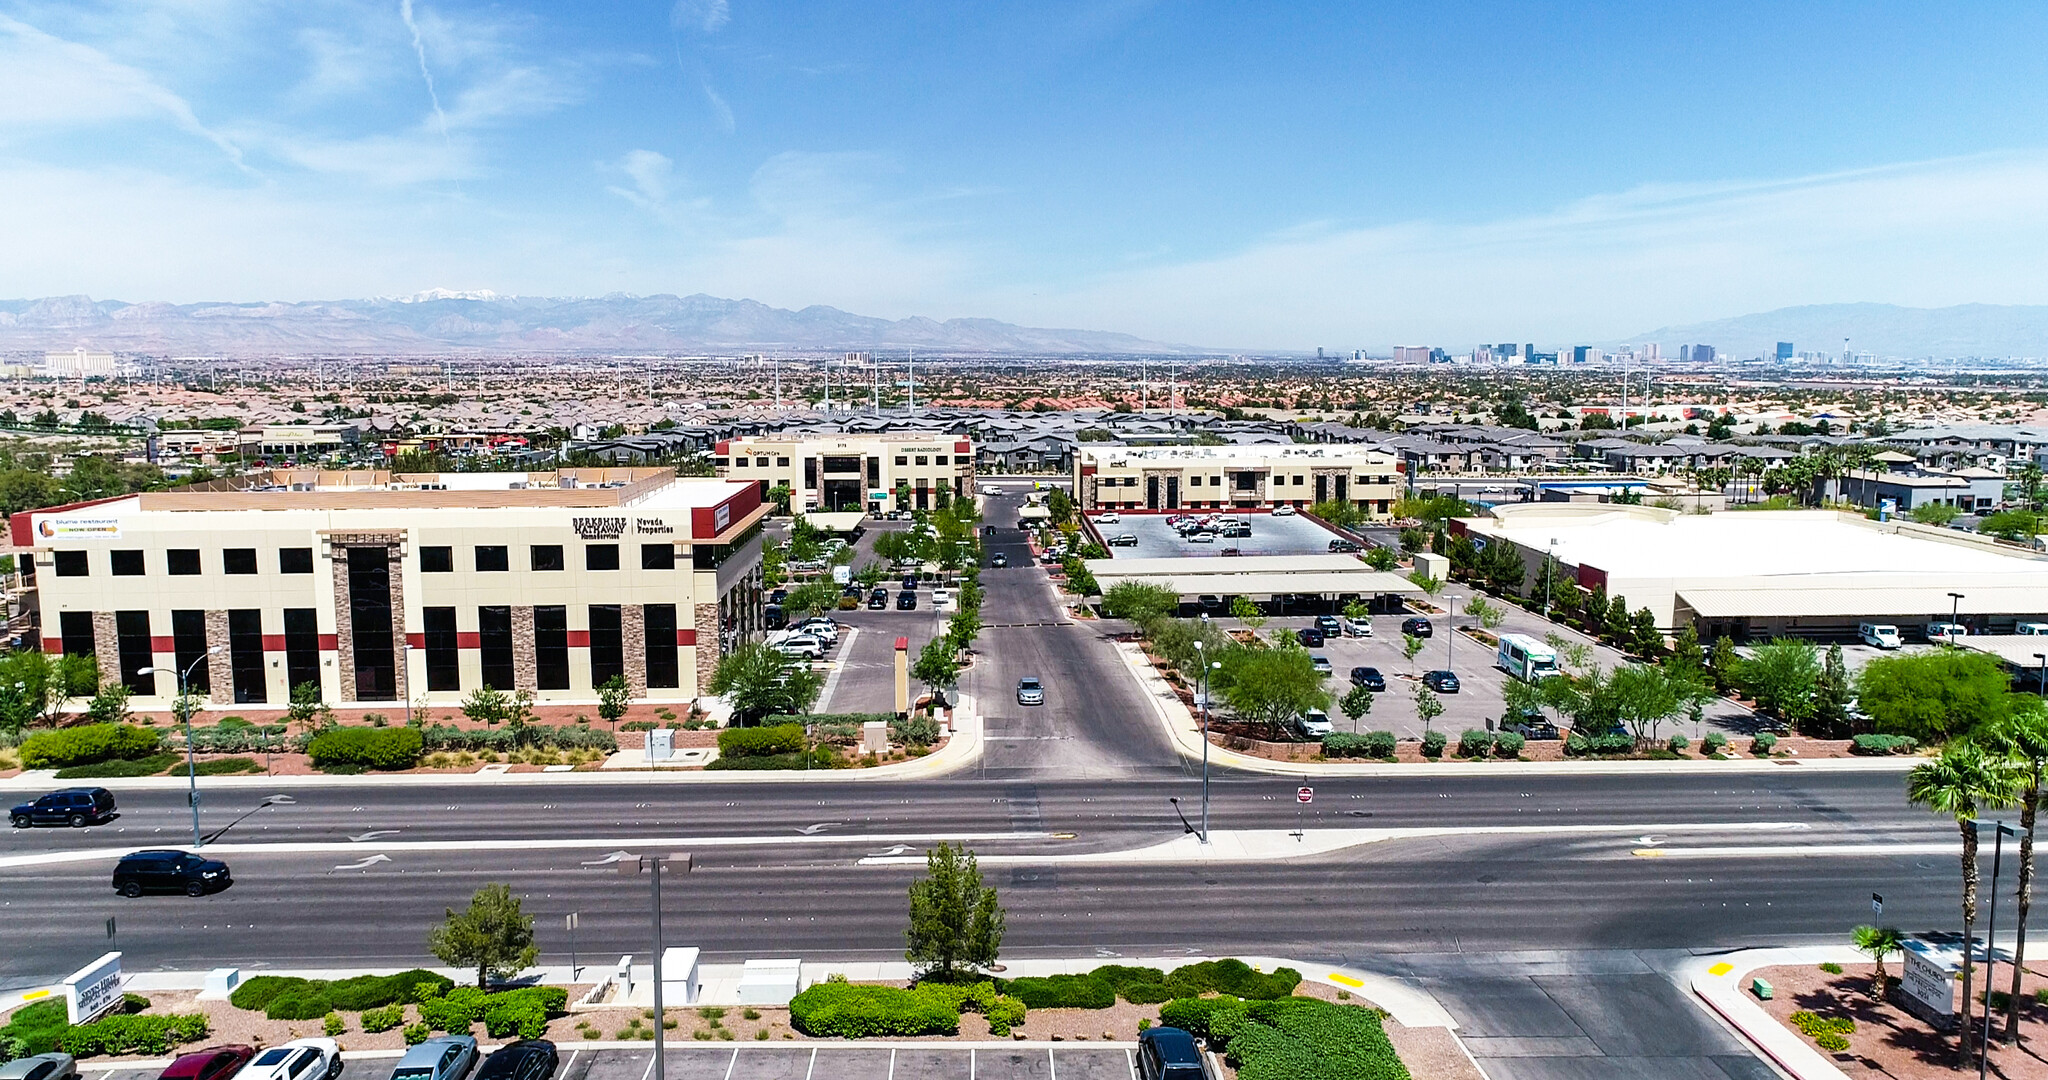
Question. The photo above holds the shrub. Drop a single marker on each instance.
(1340, 744)
(1762, 745)
(384, 1019)
(1474, 743)
(256, 992)
(1380, 744)
(916, 729)
(761, 741)
(523, 1018)
(1878, 745)
(39, 1026)
(1061, 992)
(1828, 1040)
(1715, 740)
(226, 766)
(1595, 745)
(1507, 744)
(1233, 977)
(818, 757)
(848, 1011)
(1306, 1039)
(87, 745)
(1123, 976)
(416, 1034)
(1196, 1014)
(358, 994)
(300, 1003)
(110, 770)
(366, 748)
(1677, 744)
(1831, 968)
(1147, 993)
(333, 1025)
(1433, 744)
(124, 1034)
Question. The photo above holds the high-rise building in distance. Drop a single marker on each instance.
(1784, 350)
(1411, 354)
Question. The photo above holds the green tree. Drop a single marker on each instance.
(1412, 646)
(779, 495)
(1061, 506)
(1489, 616)
(484, 705)
(1427, 583)
(1080, 581)
(1140, 602)
(1344, 515)
(1271, 686)
(1935, 695)
(613, 698)
(110, 705)
(2018, 526)
(760, 681)
(1726, 666)
(812, 598)
(1879, 942)
(1645, 640)
(1643, 696)
(306, 707)
(1245, 611)
(1355, 703)
(1687, 657)
(1427, 706)
(937, 667)
(1619, 625)
(1939, 513)
(894, 545)
(1832, 696)
(956, 922)
(2022, 739)
(1781, 676)
(1382, 559)
(494, 936)
(1960, 784)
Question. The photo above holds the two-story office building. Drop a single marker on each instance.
(384, 588)
(1115, 477)
(835, 473)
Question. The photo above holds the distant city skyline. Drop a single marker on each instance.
(1198, 173)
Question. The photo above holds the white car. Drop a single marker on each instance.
(1313, 724)
(824, 630)
(1356, 626)
(299, 1059)
(942, 598)
(1283, 511)
(1201, 538)
(1108, 518)
(800, 645)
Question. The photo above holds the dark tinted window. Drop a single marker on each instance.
(494, 646)
(71, 564)
(183, 562)
(294, 560)
(128, 563)
(301, 646)
(238, 560)
(659, 634)
(245, 654)
(551, 647)
(657, 556)
(547, 557)
(443, 668)
(600, 557)
(492, 558)
(437, 560)
(75, 627)
(134, 648)
(607, 643)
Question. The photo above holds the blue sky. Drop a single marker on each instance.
(1223, 173)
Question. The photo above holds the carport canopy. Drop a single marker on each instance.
(1254, 576)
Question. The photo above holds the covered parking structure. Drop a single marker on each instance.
(1303, 583)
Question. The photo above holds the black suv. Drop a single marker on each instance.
(169, 871)
(1309, 636)
(76, 807)
(906, 600)
(1417, 627)
(878, 600)
(1344, 546)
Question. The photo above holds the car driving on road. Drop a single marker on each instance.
(1030, 691)
(998, 561)
(169, 871)
(76, 807)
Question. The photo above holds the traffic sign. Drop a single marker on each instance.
(1876, 904)
(1305, 794)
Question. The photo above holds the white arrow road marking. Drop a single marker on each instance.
(610, 859)
(372, 835)
(1651, 840)
(813, 830)
(896, 849)
(366, 863)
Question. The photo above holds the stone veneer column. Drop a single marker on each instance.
(707, 648)
(106, 646)
(524, 676)
(344, 622)
(344, 616)
(633, 639)
(220, 666)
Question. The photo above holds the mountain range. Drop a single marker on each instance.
(1982, 330)
(441, 322)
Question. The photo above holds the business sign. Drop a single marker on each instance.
(652, 527)
(94, 990)
(721, 517)
(599, 528)
(78, 528)
(1930, 977)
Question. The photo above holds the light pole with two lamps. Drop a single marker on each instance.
(1202, 656)
(183, 708)
(1999, 830)
(1955, 609)
(634, 864)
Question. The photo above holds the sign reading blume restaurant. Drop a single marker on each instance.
(94, 990)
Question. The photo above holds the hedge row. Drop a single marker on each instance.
(366, 747)
(761, 741)
(122, 1034)
(851, 1011)
(1061, 992)
(1307, 1039)
(1100, 988)
(108, 770)
(1577, 745)
(87, 745)
(1372, 744)
(315, 998)
(1881, 745)
(523, 1012)
(855, 719)
(820, 757)
(546, 736)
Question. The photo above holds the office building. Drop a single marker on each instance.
(1412, 354)
(1251, 477)
(383, 588)
(1784, 351)
(851, 473)
(78, 363)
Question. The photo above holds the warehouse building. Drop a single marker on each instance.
(1752, 574)
(850, 473)
(1117, 477)
(384, 588)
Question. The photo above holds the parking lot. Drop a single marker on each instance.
(1290, 535)
(914, 1061)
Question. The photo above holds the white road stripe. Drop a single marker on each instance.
(1952, 847)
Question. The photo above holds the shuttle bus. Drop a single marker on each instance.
(1525, 658)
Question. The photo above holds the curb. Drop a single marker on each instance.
(1717, 982)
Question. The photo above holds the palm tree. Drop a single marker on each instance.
(2023, 739)
(1877, 942)
(1961, 783)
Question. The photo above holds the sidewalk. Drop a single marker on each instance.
(1719, 982)
(1185, 729)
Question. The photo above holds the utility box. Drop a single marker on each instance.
(680, 980)
(221, 982)
(1761, 989)
(661, 744)
(769, 982)
(874, 737)
(1433, 565)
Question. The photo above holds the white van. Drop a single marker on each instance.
(1879, 635)
(1525, 658)
(2031, 629)
(1946, 631)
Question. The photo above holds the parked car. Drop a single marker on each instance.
(906, 600)
(778, 596)
(212, 1063)
(825, 630)
(1417, 626)
(1370, 678)
(1107, 517)
(910, 581)
(941, 598)
(169, 871)
(1124, 540)
(802, 646)
(40, 1067)
(1532, 726)
(447, 1057)
(773, 617)
(1946, 631)
(1313, 724)
(878, 600)
(299, 1059)
(1030, 691)
(527, 1059)
(76, 807)
(1441, 681)
(1309, 636)
(1230, 551)
(1357, 626)
(1169, 1053)
(1210, 603)
(1283, 511)
(1329, 625)
(998, 561)
(1344, 546)
(1199, 537)
(1320, 664)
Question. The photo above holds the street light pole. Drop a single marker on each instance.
(633, 866)
(2000, 830)
(1549, 572)
(184, 711)
(1955, 608)
(1450, 629)
(2042, 683)
(1202, 657)
(405, 679)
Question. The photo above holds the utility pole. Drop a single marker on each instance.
(912, 370)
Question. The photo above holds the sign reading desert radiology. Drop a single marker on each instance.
(94, 990)
(78, 528)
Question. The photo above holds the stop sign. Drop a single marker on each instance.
(1305, 794)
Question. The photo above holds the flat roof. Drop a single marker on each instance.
(1193, 565)
(2019, 650)
(1255, 575)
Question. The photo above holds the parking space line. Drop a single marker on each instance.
(808, 1069)
(650, 1068)
(970, 1063)
(572, 1061)
(1131, 1060)
(729, 1066)
(1052, 1064)
(892, 1063)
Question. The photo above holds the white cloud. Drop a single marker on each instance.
(721, 113)
(703, 15)
(50, 83)
(651, 174)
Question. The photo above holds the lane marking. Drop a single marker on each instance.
(1347, 980)
(729, 1066)
(1793, 850)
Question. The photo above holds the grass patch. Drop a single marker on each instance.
(148, 766)
(227, 766)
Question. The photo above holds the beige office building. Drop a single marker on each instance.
(384, 588)
(866, 473)
(1234, 477)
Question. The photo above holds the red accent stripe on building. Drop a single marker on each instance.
(469, 640)
(723, 448)
(684, 637)
(53, 645)
(328, 643)
(579, 639)
(273, 643)
(163, 644)
(963, 447)
(416, 640)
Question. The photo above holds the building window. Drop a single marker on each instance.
(657, 556)
(607, 644)
(1297, 480)
(725, 462)
(188, 645)
(182, 562)
(301, 646)
(444, 670)
(901, 460)
(782, 463)
(601, 557)
(71, 564)
(238, 560)
(492, 557)
(920, 459)
(76, 629)
(369, 606)
(295, 561)
(551, 647)
(494, 646)
(1194, 481)
(128, 563)
(737, 463)
(437, 560)
(245, 649)
(760, 463)
(939, 460)
(660, 635)
(547, 557)
(131, 637)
